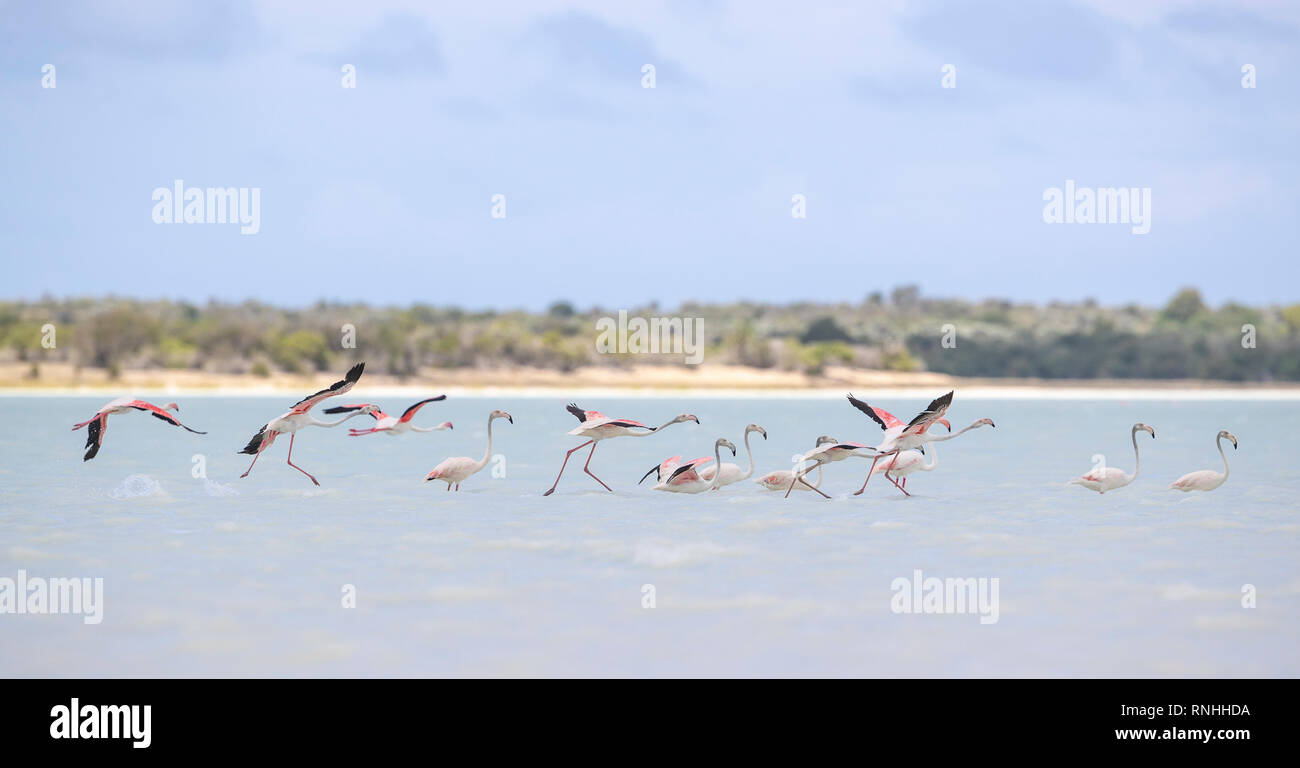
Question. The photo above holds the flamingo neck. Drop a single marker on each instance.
(717, 464)
(750, 451)
(958, 433)
(316, 422)
(488, 453)
(1223, 455)
(1137, 457)
(932, 459)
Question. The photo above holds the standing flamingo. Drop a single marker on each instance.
(298, 417)
(596, 426)
(732, 473)
(457, 468)
(1207, 479)
(99, 422)
(391, 425)
(1104, 479)
(828, 449)
(688, 479)
(900, 436)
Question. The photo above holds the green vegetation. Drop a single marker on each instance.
(904, 331)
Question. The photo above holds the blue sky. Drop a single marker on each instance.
(616, 194)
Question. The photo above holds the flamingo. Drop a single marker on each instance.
(457, 468)
(1207, 479)
(779, 480)
(731, 473)
(99, 422)
(828, 449)
(687, 477)
(596, 426)
(298, 417)
(900, 436)
(1105, 479)
(782, 479)
(904, 464)
(391, 425)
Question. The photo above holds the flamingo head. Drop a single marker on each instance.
(989, 422)
(445, 425)
(172, 407)
(824, 439)
(1144, 428)
(725, 443)
(432, 476)
(1225, 433)
(756, 428)
(686, 417)
(947, 423)
(498, 414)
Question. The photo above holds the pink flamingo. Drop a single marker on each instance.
(391, 425)
(457, 468)
(596, 426)
(298, 417)
(900, 436)
(99, 422)
(688, 477)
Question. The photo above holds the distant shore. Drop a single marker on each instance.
(632, 381)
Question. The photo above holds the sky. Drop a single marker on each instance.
(616, 194)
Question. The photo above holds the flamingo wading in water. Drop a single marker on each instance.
(783, 479)
(298, 417)
(1104, 479)
(99, 422)
(732, 473)
(1207, 479)
(456, 469)
(687, 478)
(596, 426)
(391, 425)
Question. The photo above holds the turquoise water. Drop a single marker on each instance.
(221, 576)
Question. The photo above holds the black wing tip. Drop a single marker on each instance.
(354, 373)
(339, 409)
(576, 411)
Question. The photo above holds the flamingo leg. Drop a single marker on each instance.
(256, 456)
(295, 466)
(799, 479)
(587, 467)
(894, 480)
(565, 464)
(859, 491)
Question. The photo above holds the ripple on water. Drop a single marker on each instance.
(137, 486)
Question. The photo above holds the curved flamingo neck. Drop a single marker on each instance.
(750, 451)
(717, 464)
(932, 459)
(1224, 456)
(1137, 457)
(487, 454)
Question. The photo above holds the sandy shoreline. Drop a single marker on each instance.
(707, 381)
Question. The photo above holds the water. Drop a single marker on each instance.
(220, 576)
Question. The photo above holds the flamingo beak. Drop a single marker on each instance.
(991, 424)
(510, 419)
(946, 423)
(695, 419)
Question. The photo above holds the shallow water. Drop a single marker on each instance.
(222, 576)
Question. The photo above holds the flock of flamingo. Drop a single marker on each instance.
(900, 452)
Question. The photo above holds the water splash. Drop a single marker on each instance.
(135, 486)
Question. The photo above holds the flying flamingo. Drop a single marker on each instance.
(687, 477)
(1207, 479)
(99, 422)
(828, 449)
(596, 426)
(930, 440)
(1105, 479)
(457, 468)
(298, 417)
(391, 425)
(732, 473)
(899, 436)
